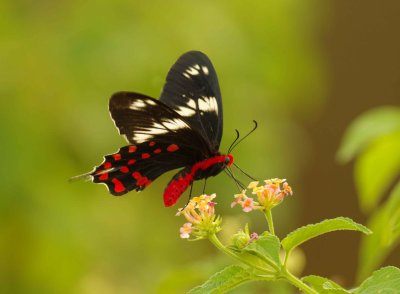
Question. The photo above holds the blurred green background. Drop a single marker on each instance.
(302, 69)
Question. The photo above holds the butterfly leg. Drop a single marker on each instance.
(205, 184)
(190, 194)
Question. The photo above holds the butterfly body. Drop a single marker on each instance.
(182, 129)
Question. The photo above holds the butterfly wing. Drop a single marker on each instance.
(141, 119)
(161, 141)
(192, 90)
(134, 167)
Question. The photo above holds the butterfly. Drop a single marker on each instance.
(182, 129)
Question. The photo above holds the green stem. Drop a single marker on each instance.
(297, 282)
(268, 215)
(287, 253)
(214, 239)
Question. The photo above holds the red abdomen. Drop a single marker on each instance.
(200, 170)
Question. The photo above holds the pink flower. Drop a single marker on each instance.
(238, 198)
(248, 204)
(185, 230)
(253, 236)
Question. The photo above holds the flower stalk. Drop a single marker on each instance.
(268, 215)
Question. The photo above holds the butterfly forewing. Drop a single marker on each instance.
(143, 119)
(192, 90)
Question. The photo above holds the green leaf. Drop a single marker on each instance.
(230, 277)
(385, 280)
(385, 223)
(265, 247)
(324, 285)
(376, 169)
(366, 128)
(308, 232)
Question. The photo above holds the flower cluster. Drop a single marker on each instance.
(268, 196)
(201, 217)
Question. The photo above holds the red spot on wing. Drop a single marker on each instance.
(145, 155)
(172, 148)
(144, 181)
(141, 180)
(103, 177)
(131, 161)
(117, 156)
(158, 150)
(136, 175)
(152, 143)
(107, 165)
(132, 149)
(124, 169)
(118, 186)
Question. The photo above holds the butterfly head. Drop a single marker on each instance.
(228, 160)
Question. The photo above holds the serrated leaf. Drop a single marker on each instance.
(383, 281)
(366, 128)
(324, 285)
(308, 232)
(376, 169)
(266, 247)
(228, 278)
(385, 223)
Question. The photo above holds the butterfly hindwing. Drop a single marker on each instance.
(192, 90)
(134, 167)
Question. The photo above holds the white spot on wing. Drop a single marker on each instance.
(191, 103)
(141, 137)
(175, 124)
(185, 111)
(186, 75)
(208, 104)
(192, 71)
(136, 105)
(188, 110)
(150, 102)
(156, 128)
(205, 69)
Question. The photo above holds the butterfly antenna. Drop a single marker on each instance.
(238, 183)
(234, 180)
(237, 143)
(245, 173)
(234, 141)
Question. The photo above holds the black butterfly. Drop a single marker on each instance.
(182, 129)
